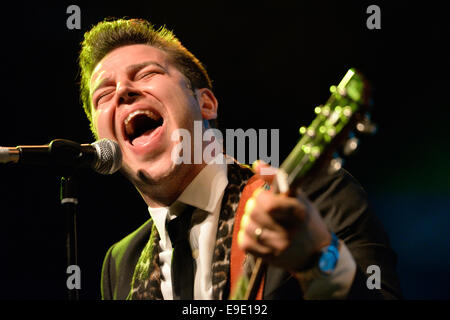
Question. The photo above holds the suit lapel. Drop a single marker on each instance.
(146, 282)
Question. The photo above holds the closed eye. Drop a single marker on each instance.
(145, 74)
(103, 96)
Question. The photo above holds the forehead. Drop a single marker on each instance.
(119, 59)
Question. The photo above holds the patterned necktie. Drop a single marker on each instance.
(182, 265)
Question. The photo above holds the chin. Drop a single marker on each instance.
(151, 174)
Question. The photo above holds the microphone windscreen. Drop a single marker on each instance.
(109, 156)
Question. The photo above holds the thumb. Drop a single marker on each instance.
(264, 171)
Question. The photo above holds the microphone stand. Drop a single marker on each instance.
(69, 203)
(65, 154)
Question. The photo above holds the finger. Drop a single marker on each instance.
(267, 244)
(258, 226)
(285, 211)
(248, 238)
(247, 242)
(253, 211)
(274, 240)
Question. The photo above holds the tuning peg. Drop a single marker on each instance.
(366, 126)
(335, 164)
(308, 131)
(350, 146)
(339, 90)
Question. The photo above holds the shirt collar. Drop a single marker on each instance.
(204, 192)
(206, 189)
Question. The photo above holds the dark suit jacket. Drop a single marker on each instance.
(342, 203)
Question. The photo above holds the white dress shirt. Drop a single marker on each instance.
(205, 193)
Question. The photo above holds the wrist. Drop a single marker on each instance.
(322, 264)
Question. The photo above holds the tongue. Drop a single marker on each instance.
(143, 138)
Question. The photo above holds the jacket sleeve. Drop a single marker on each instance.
(345, 209)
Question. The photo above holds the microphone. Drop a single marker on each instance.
(104, 156)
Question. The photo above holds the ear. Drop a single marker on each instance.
(208, 103)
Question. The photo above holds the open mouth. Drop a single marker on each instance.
(141, 123)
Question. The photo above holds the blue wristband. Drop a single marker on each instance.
(329, 257)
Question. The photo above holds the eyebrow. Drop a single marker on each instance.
(136, 67)
(130, 69)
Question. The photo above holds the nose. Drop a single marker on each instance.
(127, 93)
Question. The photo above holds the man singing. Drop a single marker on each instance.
(139, 86)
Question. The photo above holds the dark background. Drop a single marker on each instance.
(271, 62)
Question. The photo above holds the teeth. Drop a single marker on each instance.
(147, 112)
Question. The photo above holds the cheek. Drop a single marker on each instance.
(103, 123)
(186, 108)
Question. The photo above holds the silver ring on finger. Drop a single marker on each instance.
(258, 232)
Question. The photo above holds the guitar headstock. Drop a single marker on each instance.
(332, 129)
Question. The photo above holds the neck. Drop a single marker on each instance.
(163, 194)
